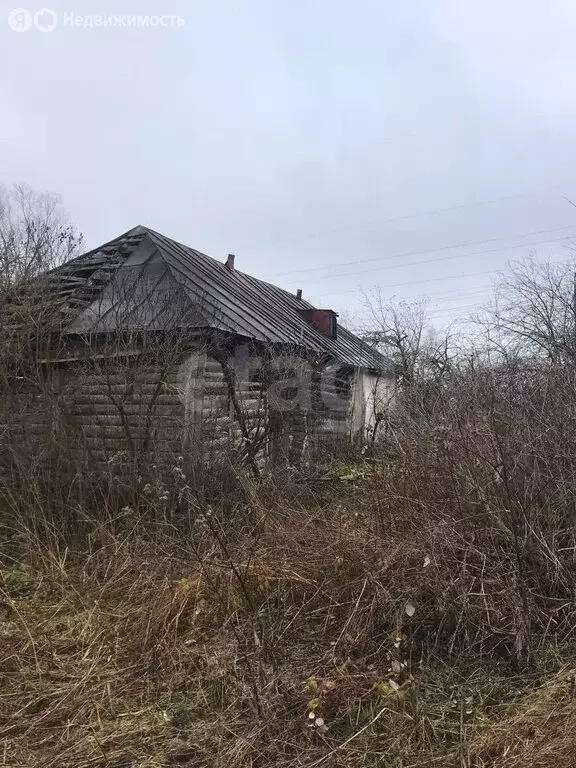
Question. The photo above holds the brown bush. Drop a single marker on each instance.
(396, 611)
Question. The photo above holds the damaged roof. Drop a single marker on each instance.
(144, 280)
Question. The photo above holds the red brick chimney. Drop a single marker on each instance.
(324, 320)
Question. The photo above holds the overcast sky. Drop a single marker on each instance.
(333, 146)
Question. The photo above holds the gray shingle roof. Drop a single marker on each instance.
(213, 296)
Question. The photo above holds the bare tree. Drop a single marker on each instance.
(534, 311)
(402, 331)
(35, 233)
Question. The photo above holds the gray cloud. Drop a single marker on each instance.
(292, 133)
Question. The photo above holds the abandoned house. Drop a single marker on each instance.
(147, 347)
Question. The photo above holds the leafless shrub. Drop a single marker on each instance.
(376, 611)
(533, 311)
(35, 234)
(403, 332)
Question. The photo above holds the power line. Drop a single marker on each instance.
(404, 217)
(457, 297)
(441, 258)
(456, 293)
(419, 282)
(424, 251)
(450, 310)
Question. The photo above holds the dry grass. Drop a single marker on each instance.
(210, 645)
(539, 733)
(397, 613)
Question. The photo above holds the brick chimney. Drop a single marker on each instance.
(299, 294)
(324, 320)
(230, 262)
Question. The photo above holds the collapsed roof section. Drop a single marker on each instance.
(143, 280)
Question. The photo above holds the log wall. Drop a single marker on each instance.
(198, 404)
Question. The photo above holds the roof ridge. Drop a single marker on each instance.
(212, 259)
(253, 283)
(227, 300)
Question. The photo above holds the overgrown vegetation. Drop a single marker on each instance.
(399, 611)
(412, 605)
